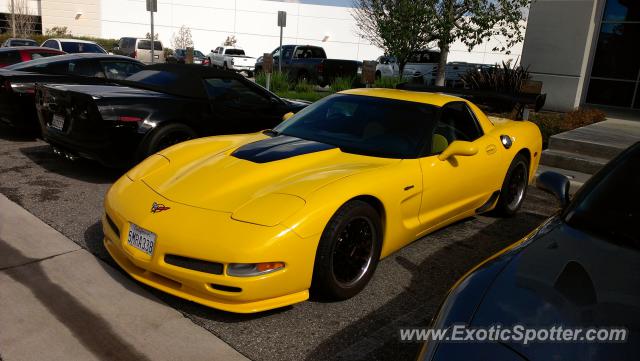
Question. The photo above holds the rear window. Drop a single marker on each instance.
(146, 45)
(42, 54)
(154, 78)
(72, 47)
(309, 52)
(23, 43)
(9, 58)
(234, 52)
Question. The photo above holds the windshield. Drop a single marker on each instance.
(609, 208)
(364, 125)
(72, 47)
(198, 54)
(234, 52)
(154, 78)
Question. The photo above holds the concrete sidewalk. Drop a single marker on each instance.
(58, 302)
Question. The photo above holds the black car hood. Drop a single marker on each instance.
(296, 104)
(570, 278)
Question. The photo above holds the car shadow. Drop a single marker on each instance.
(420, 300)
(80, 169)
(93, 237)
(14, 134)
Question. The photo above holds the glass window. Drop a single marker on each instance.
(622, 10)
(457, 123)
(610, 92)
(23, 42)
(234, 52)
(9, 58)
(51, 44)
(154, 78)
(73, 47)
(120, 69)
(79, 68)
(146, 45)
(41, 54)
(609, 208)
(365, 125)
(234, 93)
(618, 52)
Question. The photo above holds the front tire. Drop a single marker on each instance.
(164, 137)
(514, 187)
(348, 252)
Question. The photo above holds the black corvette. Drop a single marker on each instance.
(161, 105)
(17, 82)
(580, 269)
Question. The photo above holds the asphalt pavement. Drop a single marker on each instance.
(405, 291)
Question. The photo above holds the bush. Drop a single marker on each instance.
(504, 79)
(304, 87)
(339, 84)
(279, 81)
(554, 123)
(387, 82)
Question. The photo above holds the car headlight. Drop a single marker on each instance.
(253, 269)
(147, 166)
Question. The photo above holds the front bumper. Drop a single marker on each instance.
(210, 236)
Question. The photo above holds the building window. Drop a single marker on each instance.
(615, 74)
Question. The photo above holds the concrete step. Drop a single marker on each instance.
(572, 161)
(566, 143)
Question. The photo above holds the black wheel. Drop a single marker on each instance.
(224, 66)
(249, 74)
(164, 137)
(348, 252)
(302, 76)
(210, 63)
(514, 187)
(378, 75)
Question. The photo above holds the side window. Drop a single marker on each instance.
(235, 94)
(51, 44)
(9, 58)
(219, 50)
(119, 69)
(456, 122)
(79, 68)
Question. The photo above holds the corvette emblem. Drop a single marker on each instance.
(156, 207)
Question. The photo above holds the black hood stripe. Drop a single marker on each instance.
(278, 148)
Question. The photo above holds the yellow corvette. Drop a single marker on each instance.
(247, 223)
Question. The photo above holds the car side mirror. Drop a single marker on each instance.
(458, 147)
(556, 184)
(287, 116)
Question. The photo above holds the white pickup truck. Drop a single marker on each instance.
(232, 58)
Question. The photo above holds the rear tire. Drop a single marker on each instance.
(164, 137)
(514, 187)
(348, 252)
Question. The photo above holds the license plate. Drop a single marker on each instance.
(141, 239)
(57, 122)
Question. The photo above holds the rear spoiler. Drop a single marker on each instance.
(520, 101)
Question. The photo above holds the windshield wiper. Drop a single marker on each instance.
(271, 132)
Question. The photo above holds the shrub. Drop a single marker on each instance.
(554, 123)
(304, 87)
(505, 78)
(387, 82)
(279, 81)
(339, 84)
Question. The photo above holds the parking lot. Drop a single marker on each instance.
(406, 290)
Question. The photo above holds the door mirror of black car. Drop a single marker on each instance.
(556, 184)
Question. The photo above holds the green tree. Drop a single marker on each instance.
(399, 27)
(474, 22)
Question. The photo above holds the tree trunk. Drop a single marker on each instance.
(444, 54)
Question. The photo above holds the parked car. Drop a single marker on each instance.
(140, 49)
(579, 269)
(421, 62)
(310, 63)
(387, 67)
(180, 55)
(259, 220)
(232, 58)
(17, 107)
(73, 46)
(153, 109)
(18, 42)
(15, 55)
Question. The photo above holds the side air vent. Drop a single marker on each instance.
(113, 226)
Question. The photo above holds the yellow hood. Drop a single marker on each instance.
(205, 174)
